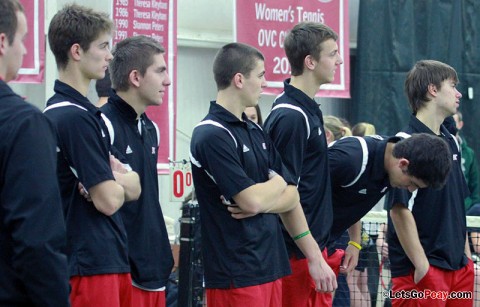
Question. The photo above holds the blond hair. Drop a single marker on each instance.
(336, 127)
(363, 129)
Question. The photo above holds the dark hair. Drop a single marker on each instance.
(429, 156)
(132, 53)
(304, 39)
(104, 86)
(234, 58)
(423, 74)
(259, 115)
(75, 24)
(8, 18)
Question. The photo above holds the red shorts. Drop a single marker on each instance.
(113, 290)
(433, 285)
(142, 298)
(299, 287)
(264, 295)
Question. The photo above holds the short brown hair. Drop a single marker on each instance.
(132, 53)
(75, 24)
(423, 74)
(8, 17)
(234, 58)
(304, 39)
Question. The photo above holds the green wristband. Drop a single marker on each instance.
(303, 234)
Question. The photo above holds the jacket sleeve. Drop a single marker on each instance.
(32, 212)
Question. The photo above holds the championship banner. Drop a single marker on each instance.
(265, 23)
(156, 19)
(33, 65)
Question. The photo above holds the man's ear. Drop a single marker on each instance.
(76, 52)
(3, 43)
(328, 135)
(238, 80)
(432, 90)
(134, 78)
(309, 62)
(403, 164)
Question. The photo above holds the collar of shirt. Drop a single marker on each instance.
(125, 109)
(420, 127)
(5, 89)
(303, 99)
(225, 115)
(66, 90)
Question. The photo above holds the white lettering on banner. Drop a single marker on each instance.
(316, 16)
(142, 3)
(262, 12)
(141, 14)
(159, 5)
(159, 16)
(282, 66)
(142, 25)
(157, 26)
(158, 38)
(270, 38)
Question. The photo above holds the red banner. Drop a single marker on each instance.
(33, 66)
(156, 19)
(265, 23)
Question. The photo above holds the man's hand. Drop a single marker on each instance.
(351, 259)
(84, 192)
(238, 213)
(117, 166)
(235, 210)
(420, 272)
(323, 276)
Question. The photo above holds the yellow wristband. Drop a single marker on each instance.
(355, 244)
(303, 234)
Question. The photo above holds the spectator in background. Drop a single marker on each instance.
(363, 129)
(33, 263)
(254, 114)
(335, 129)
(470, 169)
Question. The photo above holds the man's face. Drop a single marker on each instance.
(254, 84)
(399, 178)
(329, 61)
(153, 84)
(448, 97)
(96, 59)
(15, 52)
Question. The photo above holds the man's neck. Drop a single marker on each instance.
(306, 83)
(231, 102)
(132, 100)
(431, 119)
(74, 79)
(388, 156)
